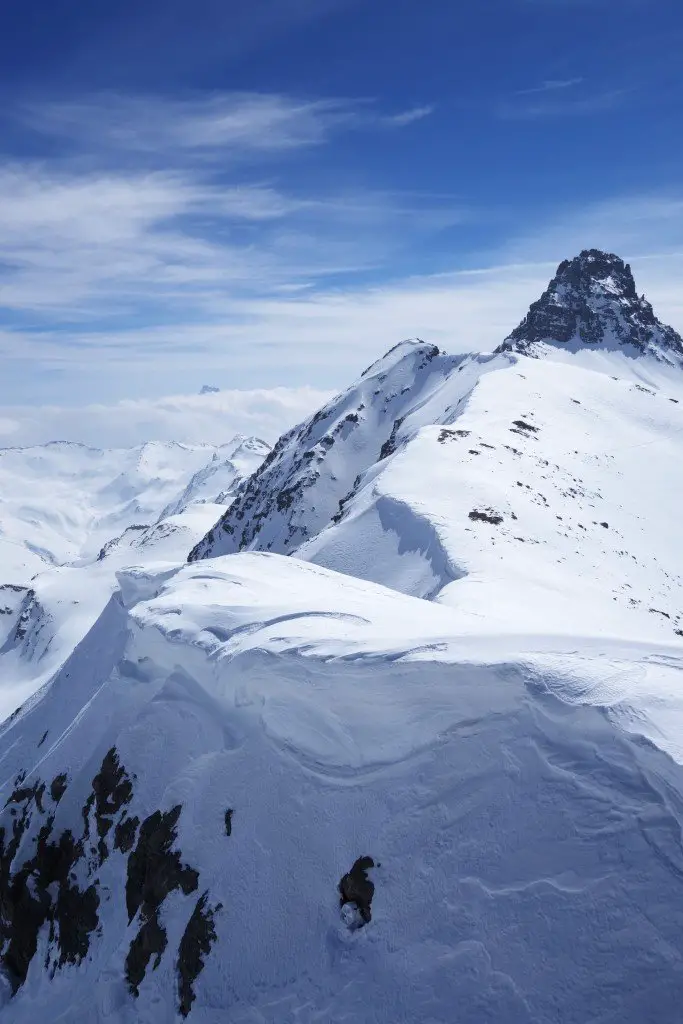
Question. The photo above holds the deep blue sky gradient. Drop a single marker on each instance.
(469, 59)
(540, 108)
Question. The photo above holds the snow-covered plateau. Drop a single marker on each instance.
(402, 741)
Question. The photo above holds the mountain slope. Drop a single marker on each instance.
(550, 499)
(298, 488)
(532, 485)
(235, 737)
(218, 481)
(72, 516)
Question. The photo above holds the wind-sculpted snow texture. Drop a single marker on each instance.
(522, 853)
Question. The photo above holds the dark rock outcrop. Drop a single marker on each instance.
(355, 887)
(154, 871)
(592, 301)
(195, 946)
(52, 878)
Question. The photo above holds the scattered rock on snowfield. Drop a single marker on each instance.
(355, 887)
(486, 515)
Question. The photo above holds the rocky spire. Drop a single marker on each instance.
(592, 303)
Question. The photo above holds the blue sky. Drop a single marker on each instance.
(270, 194)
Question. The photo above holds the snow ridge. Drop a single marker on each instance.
(305, 480)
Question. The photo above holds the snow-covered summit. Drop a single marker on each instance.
(312, 470)
(592, 302)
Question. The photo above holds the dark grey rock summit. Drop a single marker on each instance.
(592, 303)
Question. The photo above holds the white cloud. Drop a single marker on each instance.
(234, 126)
(104, 238)
(550, 85)
(212, 418)
(237, 124)
(79, 246)
(407, 117)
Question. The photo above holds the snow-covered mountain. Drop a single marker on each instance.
(515, 486)
(218, 481)
(298, 488)
(70, 516)
(427, 770)
(60, 502)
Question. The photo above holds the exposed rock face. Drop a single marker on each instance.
(355, 887)
(30, 630)
(311, 471)
(43, 888)
(592, 302)
(154, 871)
(51, 878)
(195, 946)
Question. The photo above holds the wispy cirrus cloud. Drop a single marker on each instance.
(409, 116)
(550, 85)
(150, 212)
(242, 123)
(78, 247)
(234, 126)
(559, 98)
(134, 232)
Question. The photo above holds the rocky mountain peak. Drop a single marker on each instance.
(593, 268)
(592, 302)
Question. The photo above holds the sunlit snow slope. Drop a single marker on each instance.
(532, 489)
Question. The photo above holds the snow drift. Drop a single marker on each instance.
(233, 736)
